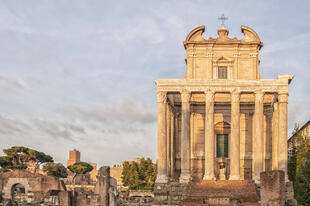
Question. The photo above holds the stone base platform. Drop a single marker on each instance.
(171, 193)
(207, 192)
(222, 192)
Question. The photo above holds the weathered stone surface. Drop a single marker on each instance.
(50, 191)
(36, 184)
(170, 193)
(222, 192)
(272, 188)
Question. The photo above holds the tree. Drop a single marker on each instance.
(139, 176)
(299, 168)
(291, 166)
(38, 158)
(55, 170)
(19, 157)
(302, 182)
(80, 168)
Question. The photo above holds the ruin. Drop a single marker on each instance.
(25, 188)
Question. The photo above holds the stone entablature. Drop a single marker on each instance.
(279, 85)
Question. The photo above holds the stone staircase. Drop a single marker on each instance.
(222, 192)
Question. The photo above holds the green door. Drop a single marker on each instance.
(222, 145)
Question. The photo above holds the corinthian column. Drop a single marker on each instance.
(162, 139)
(259, 136)
(185, 138)
(209, 137)
(282, 149)
(234, 146)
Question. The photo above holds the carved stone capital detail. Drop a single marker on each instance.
(209, 95)
(161, 96)
(185, 96)
(259, 96)
(283, 97)
(235, 96)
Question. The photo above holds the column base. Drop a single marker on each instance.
(185, 178)
(209, 177)
(161, 179)
(234, 177)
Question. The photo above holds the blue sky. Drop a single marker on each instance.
(80, 74)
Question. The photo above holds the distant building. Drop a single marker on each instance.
(292, 141)
(116, 173)
(74, 156)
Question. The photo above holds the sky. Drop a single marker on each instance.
(80, 74)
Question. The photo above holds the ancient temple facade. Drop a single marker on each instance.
(222, 121)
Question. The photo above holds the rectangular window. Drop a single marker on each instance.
(222, 145)
(222, 73)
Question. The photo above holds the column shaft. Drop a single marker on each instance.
(172, 134)
(185, 138)
(282, 152)
(209, 137)
(234, 146)
(168, 145)
(275, 137)
(259, 136)
(162, 139)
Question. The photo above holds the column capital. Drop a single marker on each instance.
(185, 96)
(209, 95)
(235, 96)
(161, 96)
(283, 97)
(259, 96)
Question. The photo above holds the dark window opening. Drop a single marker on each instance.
(222, 73)
(222, 145)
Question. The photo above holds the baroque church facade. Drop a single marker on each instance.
(222, 121)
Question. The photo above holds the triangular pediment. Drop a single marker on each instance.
(223, 59)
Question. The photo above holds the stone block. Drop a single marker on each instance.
(64, 198)
(272, 188)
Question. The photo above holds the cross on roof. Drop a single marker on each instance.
(222, 18)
